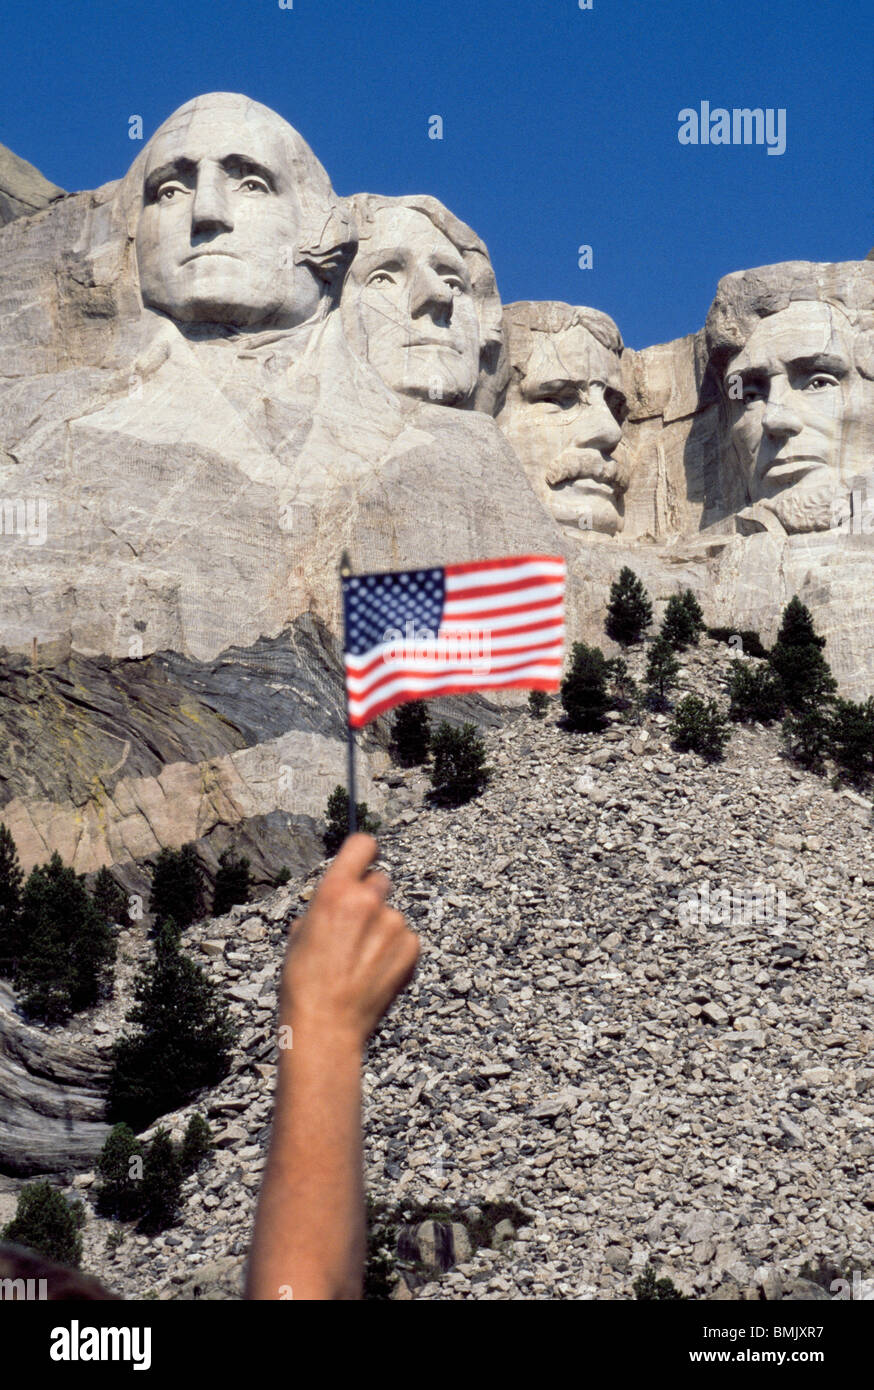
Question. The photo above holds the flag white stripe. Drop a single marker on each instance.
(358, 685)
(476, 680)
(537, 593)
(473, 579)
(461, 645)
(497, 624)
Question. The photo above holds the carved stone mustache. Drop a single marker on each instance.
(574, 464)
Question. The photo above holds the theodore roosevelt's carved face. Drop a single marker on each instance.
(563, 415)
(409, 308)
(795, 404)
(221, 219)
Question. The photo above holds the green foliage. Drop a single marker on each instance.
(178, 887)
(797, 660)
(584, 692)
(11, 879)
(196, 1144)
(662, 667)
(47, 1223)
(746, 642)
(119, 1193)
(233, 883)
(538, 703)
(67, 947)
(411, 733)
(851, 740)
(110, 899)
(807, 737)
(161, 1185)
(648, 1286)
(683, 621)
(182, 1040)
(621, 686)
(699, 726)
(629, 611)
(282, 877)
(337, 819)
(755, 693)
(459, 771)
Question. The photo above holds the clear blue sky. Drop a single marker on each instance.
(560, 124)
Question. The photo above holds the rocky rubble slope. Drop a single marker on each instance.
(647, 1086)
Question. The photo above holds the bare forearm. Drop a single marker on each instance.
(309, 1239)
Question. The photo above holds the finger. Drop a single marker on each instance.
(380, 882)
(353, 858)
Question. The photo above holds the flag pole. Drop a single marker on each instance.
(345, 571)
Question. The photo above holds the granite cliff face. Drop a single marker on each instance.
(213, 382)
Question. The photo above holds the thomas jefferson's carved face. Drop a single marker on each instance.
(221, 221)
(564, 419)
(792, 434)
(409, 308)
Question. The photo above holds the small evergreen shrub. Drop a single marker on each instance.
(584, 692)
(67, 949)
(459, 771)
(233, 883)
(161, 1186)
(683, 621)
(662, 669)
(197, 1144)
(538, 703)
(807, 737)
(755, 693)
(178, 887)
(851, 740)
(629, 611)
(649, 1286)
(337, 819)
(119, 1167)
(411, 733)
(110, 899)
(48, 1224)
(282, 877)
(699, 727)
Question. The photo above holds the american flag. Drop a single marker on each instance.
(417, 634)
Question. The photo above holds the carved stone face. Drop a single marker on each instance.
(563, 417)
(221, 220)
(793, 433)
(409, 309)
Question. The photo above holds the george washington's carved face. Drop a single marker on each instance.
(563, 415)
(221, 219)
(409, 308)
(795, 404)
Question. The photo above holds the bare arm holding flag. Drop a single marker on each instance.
(347, 959)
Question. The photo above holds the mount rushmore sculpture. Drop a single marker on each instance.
(217, 374)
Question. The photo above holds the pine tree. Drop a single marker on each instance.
(538, 703)
(120, 1192)
(629, 611)
(233, 883)
(178, 888)
(584, 688)
(459, 770)
(807, 736)
(47, 1223)
(699, 727)
(110, 899)
(66, 960)
(11, 879)
(797, 660)
(411, 733)
(683, 621)
(197, 1144)
(755, 692)
(662, 668)
(852, 739)
(182, 1040)
(161, 1186)
(337, 819)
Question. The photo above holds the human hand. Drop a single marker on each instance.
(350, 954)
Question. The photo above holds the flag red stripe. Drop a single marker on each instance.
(452, 671)
(505, 562)
(538, 634)
(373, 711)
